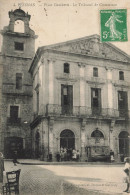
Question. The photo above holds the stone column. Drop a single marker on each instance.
(82, 87)
(83, 153)
(43, 75)
(110, 92)
(51, 137)
(51, 81)
(111, 138)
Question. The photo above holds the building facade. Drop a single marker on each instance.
(17, 52)
(81, 95)
(72, 95)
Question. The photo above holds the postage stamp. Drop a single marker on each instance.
(113, 24)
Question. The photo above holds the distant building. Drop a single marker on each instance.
(17, 52)
(81, 99)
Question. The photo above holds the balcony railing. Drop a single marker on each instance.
(55, 109)
(13, 121)
(66, 76)
(11, 89)
(123, 113)
(121, 83)
(96, 80)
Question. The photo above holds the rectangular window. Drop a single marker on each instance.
(14, 112)
(96, 100)
(121, 75)
(18, 80)
(122, 100)
(66, 68)
(19, 46)
(95, 72)
(67, 98)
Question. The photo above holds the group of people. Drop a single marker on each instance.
(68, 154)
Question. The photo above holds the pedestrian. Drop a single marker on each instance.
(15, 158)
(62, 155)
(111, 156)
(74, 154)
(78, 156)
(58, 156)
(65, 154)
(1, 167)
(50, 156)
(127, 172)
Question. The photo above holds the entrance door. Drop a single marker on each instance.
(67, 139)
(96, 101)
(67, 99)
(13, 144)
(124, 143)
(122, 103)
(37, 145)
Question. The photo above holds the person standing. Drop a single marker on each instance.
(111, 156)
(1, 167)
(15, 158)
(127, 172)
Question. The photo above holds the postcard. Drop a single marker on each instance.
(64, 96)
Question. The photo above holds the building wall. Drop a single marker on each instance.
(110, 124)
(16, 134)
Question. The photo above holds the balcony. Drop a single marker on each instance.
(13, 121)
(123, 113)
(54, 109)
(97, 80)
(64, 76)
(121, 83)
(9, 88)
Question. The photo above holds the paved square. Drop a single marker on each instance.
(69, 179)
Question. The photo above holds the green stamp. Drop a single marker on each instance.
(113, 25)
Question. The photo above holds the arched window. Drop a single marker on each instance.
(95, 72)
(19, 26)
(121, 75)
(97, 134)
(66, 68)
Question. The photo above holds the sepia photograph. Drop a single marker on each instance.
(64, 97)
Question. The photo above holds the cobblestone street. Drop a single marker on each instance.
(69, 179)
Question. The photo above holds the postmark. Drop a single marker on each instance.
(113, 24)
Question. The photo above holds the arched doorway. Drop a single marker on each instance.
(67, 139)
(13, 144)
(37, 145)
(124, 143)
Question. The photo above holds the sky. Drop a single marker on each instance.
(56, 21)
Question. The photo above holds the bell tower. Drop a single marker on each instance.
(18, 43)
(18, 49)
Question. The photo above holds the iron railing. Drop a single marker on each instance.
(55, 109)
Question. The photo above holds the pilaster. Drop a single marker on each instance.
(83, 154)
(51, 137)
(82, 84)
(112, 135)
(51, 81)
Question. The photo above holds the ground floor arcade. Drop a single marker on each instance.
(91, 138)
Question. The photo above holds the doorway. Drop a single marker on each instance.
(124, 143)
(37, 145)
(13, 144)
(67, 99)
(67, 139)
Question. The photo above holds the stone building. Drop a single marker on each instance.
(17, 52)
(81, 99)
